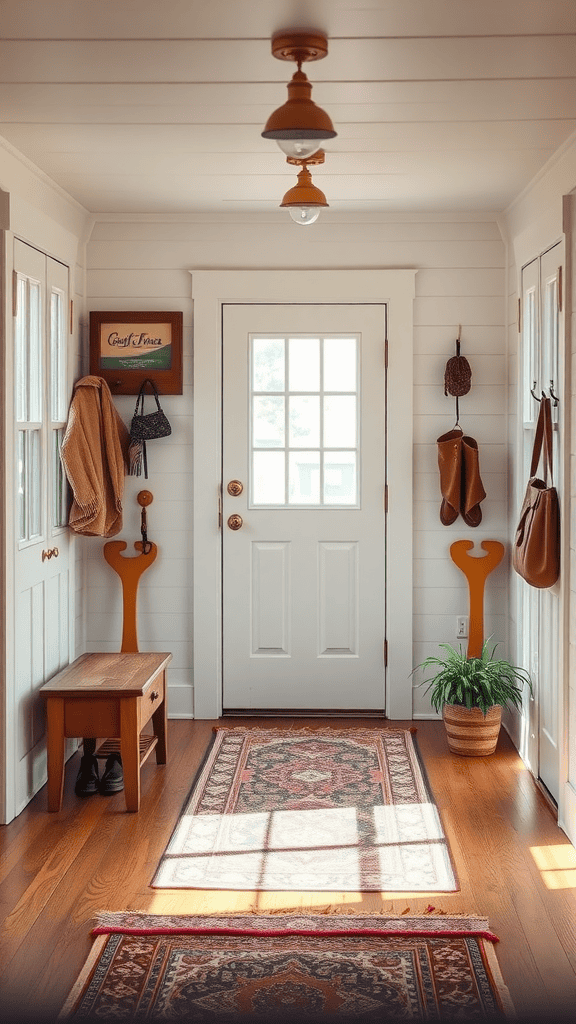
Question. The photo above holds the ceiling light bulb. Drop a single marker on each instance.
(304, 214)
(299, 148)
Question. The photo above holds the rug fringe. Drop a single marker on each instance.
(338, 908)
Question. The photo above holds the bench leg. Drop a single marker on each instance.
(159, 722)
(130, 750)
(55, 750)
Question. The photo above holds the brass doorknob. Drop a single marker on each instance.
(235, 487)
(235, 522)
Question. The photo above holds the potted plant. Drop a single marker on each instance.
(470, 693)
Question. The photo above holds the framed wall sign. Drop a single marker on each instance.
(126, 348)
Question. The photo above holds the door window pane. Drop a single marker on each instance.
(268, 422)
(268, 478)
(34, 483)
(58, 481)
(340, 478)
(304, 364)
(21, 354)
(340, 359)
(305, 421)
(340, 421)
(304, 482)
(21, 484)
(35, 350)
(268, 364)
(57, 358)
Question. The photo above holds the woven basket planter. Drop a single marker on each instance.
(471, 733)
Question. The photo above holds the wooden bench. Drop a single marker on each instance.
(108, 695)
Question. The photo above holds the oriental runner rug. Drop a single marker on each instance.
(341, 810)
(298, 969)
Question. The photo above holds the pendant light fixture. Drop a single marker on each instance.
(304, 201)
(299, 126)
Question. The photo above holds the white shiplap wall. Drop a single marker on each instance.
(144, 262)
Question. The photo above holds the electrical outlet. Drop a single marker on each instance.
(461, 627)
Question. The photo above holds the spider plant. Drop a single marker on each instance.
(473, 682)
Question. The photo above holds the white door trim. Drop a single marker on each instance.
(210, 290)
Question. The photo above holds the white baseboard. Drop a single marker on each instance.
(180, 701)
(568, 822)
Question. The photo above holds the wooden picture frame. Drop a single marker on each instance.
(128, 348)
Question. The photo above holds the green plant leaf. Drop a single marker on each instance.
(453, 678)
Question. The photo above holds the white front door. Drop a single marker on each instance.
(42, 556)
(304, 575)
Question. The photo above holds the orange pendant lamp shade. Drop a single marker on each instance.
(299, 118)
(304, 193)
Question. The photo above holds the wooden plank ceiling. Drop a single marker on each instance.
(147, 107)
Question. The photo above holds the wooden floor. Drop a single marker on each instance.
(513, 864)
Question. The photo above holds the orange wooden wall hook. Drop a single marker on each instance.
(130, 571)
(476, 571)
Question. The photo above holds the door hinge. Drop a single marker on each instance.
(519, 316)
(386, 354)
(71, 316)
(559, 289)
(385, 497)
(385, 654)
(220, 507)
(14, 293)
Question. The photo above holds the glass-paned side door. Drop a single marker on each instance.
(43, 587)
(539, 611)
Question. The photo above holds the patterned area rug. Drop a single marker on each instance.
(342, 810)
(228, 969)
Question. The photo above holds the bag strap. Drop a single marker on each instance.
(140, 399)
(543, 437)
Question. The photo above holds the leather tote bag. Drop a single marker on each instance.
(536, 549)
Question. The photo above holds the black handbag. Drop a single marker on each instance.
(145, 427)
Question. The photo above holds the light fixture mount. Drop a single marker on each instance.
(300, 46)
(301, 161)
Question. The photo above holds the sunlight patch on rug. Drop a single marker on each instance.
(310, 810)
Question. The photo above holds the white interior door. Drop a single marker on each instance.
(42, 546)
(304, 575)
(542, 325)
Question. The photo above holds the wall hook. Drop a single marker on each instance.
(554, 398)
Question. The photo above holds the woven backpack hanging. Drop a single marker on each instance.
(145, 428)
(457, 375)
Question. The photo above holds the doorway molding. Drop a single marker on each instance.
(211, 289)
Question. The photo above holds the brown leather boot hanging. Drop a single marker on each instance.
(450, 466)
(472, 488)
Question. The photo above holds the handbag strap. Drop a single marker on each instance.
(140, 399)
(543, 438)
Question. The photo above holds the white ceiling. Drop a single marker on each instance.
(156, 106)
